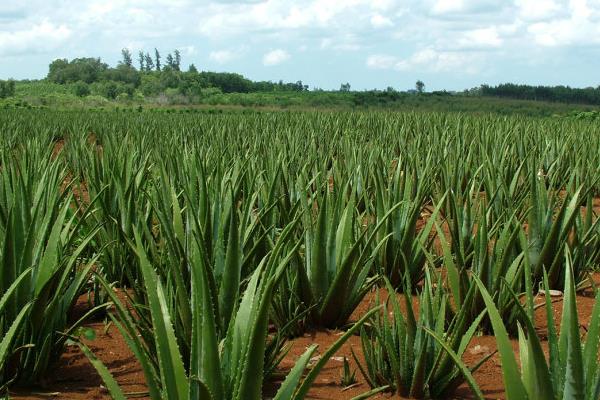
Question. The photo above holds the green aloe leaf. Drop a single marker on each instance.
(290, 384)
(173, 375)
(111, 384)
(510, 370)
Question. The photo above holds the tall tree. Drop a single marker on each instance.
(157, 57)
(177, 61)
(142, 60)
(149, 62)
(192, 68)
(420, 86)
(170, 61)
(127, 58)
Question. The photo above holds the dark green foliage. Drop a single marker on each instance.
(155, 80)
(122, 74)
(111, 89)
(127, 60)
(7, 89)
(563, 94)
(88, 70)
(420, 86)
(81, 89)
(418, 356)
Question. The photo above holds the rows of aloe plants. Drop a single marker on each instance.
(229, 234)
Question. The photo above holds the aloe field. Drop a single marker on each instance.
(440, 255)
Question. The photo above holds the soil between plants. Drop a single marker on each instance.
(74, 378)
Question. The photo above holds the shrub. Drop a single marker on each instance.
(81, 89)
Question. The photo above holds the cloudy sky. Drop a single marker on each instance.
(452, 44)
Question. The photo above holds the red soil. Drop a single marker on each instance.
(74, 378)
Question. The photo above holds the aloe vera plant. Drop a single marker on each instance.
(212, 230)
(548, 234)
(218, 369)
(44, 265)
(405, 250)
(572, 369)
(338, 260)
(498, 262)
(585, 244)
(115, 180)
(14, 329)
(460, 213)
(418, 357)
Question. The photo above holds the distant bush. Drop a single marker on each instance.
(123, 97)
(97, 101)
(208, 92)
(585, 115)
(111, 89)
(81, 89)
(7, 89)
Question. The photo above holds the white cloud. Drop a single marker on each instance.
(565, 33)
(447, 6)
(452, 8)
(40, 37)
(427, 59)
(275, 57)
(483, 38)
(219, 20)
(222, 56)
(580, 9)
(580, 27)
(533, 10)
(434, 60)
(379, 21)
(381, 61)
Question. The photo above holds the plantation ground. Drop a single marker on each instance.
(364, 154)
(74, 378)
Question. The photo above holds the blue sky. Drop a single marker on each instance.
(451, 44)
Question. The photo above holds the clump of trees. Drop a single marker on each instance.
(153, 77)
(7, 89)
(562, 94)
(345, 87)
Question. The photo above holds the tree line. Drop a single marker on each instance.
(560, 94)
(155, 76)
(152, 77)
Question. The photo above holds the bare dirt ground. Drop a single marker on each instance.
(74, 378)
